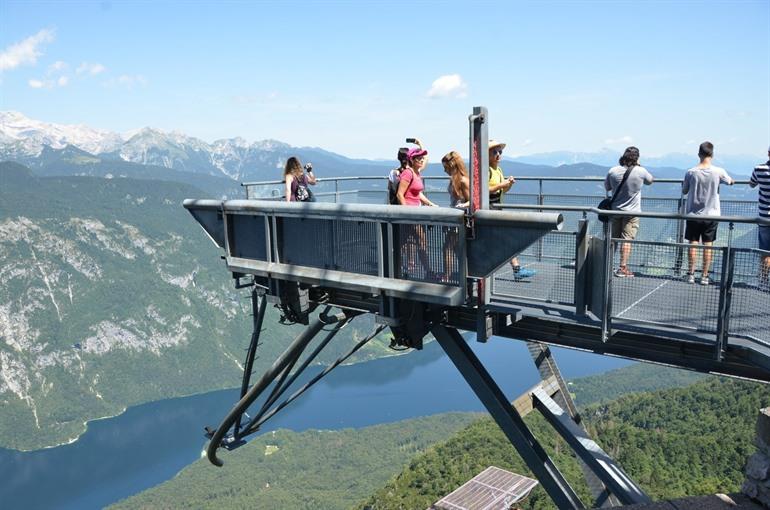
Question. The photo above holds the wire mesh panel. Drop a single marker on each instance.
(274, 191)
(428, 253)
(750, 297)
(659, 229)
(330, 244)
(660, 294)
(744, 234)
(521, 198)
(247, 236)
(553, 264)
(571, 218)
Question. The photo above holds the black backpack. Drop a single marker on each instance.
(303, 193)
(393, 191)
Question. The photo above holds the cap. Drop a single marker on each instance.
(494, 144)
(413, 153)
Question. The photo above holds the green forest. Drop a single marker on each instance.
(674, 441)
(122, 260)
(314, 469)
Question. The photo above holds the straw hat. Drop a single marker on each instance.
(493, 144)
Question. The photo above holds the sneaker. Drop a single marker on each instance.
(524, 273)
(624, 272)
(689, 278)
(704, 280)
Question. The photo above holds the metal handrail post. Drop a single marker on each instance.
(581, 268)
(540, 201)
(336, 191)
(679, 260)
(725, 296)
(607, 283)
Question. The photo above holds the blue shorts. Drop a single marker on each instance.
(763, 233)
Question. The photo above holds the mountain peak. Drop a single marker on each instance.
(270, 145)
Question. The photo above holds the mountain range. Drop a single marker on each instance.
(734, 164)
(40, 145)
(36, 144)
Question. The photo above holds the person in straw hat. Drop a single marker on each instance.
(498, 186)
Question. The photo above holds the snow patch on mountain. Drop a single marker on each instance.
(35, 134)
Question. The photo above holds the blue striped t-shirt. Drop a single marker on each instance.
(761, 177)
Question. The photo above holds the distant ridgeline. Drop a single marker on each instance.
(108, 298)
(348, 469)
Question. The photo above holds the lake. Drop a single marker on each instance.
(150, 443)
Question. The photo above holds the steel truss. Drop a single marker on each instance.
(518, 433)
(232, 431)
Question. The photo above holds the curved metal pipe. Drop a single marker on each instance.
(290, 354)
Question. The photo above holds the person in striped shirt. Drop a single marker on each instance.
(761, 177)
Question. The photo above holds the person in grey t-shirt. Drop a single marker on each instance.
(628, 198)
(701, 185)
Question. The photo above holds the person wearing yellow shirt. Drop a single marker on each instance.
(498, 186)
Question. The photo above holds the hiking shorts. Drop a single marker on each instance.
(625, 228)
(763, 233)
(701, 231)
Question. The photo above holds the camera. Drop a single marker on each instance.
(308, 167)
(411, 140)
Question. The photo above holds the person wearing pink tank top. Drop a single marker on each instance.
(414, 248)
(410, 187)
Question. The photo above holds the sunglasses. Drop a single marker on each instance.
(497, 152)
(419, 158)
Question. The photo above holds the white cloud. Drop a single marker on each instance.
(49, 83)
(57, 67)
(449, 85)
(623, 139)
(126, 80)
(26, 51)
(527, 142)
(89, 68)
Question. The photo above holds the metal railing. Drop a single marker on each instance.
(574, 267)
(371, 248)
(659, 294)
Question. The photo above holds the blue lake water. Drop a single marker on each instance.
(150, 443)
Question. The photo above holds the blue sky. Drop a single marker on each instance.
(357, 78)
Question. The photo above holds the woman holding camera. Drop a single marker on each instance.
(297, 181)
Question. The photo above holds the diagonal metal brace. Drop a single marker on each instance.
(608, 471)
(289, 356)
(548, 368)
(507, 418)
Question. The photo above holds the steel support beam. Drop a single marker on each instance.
(601, 464)
(549, 370)
(650, 348)
(507, 417)
(258, 305)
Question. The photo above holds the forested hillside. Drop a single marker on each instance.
(111, 295)
(675, 442)
(311, 475)
(313, 469)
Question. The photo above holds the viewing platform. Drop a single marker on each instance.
(572, 301)
(441, 270)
